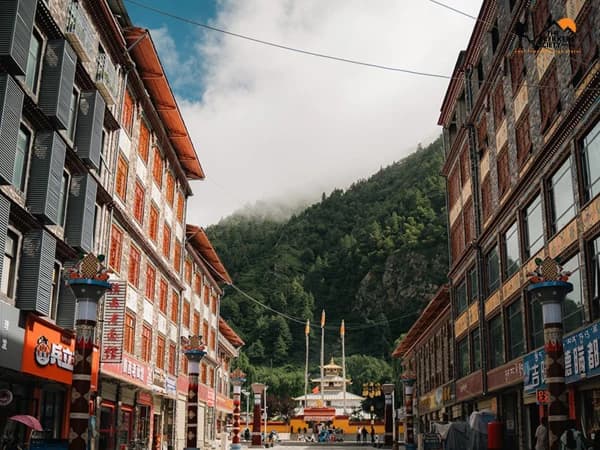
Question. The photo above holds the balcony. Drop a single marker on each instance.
(106, 79)
(80, 32)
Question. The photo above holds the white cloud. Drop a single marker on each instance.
(276, 124)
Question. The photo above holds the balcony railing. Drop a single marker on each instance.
(106, 79)
(80, 32)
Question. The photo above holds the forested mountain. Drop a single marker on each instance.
(372, 255)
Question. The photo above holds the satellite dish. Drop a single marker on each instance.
(6, 397)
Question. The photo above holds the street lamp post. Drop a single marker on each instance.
(408, 379)
(237, 379)
(388, 438)
(550, 287)
(247, 395)
(88, 281)
(194, 350)
(257, 389)
(266, 414)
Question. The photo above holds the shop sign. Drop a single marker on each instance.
(582, 354)
(159, 379)
(171, 385)
(12, 337)
(505, 375)
(144, 398)
(534, 373)
(129, 370)
(542, 396)
(48, 353)
(114, 323)
(469, 386)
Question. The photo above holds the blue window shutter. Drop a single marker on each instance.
(65, 314)
(88, 134)
(79, 228)
(58, 76)
(45, 175)
(11, 105)
(35, 272)
(4, 213)
(16, 26)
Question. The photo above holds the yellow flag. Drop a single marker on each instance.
(307, 328)
(323, 319)
(342, 329)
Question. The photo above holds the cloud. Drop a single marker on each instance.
(276, 124)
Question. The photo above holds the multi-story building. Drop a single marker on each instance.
(59, 90)
(427, 349)
(522, 138)
(95, 157)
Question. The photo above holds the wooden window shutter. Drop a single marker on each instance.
(121, 178)
(67, 303)
(163, 289)
(180, 206)
(175, 307)
(486, 198)
(116, 248)
(144, 141)
(177, 256)
(88, 133)
(166, 241)
(482, 132)
(157, 167)
(541, 17)
(503, 171)
(469, 222)
(465, 165)
(128, 106)
(4, 215)
(196, 323)
(46, 168)
(150, 282)
(454, 185)
(457, 239)
(81, 212)
(153, 223)
(186, 313)
(583, 45)
(170, 188)
(58, 77)
(549, 97)
(133, 269)
(188, 271)
(517, 68)
(138, 203)
(11, 105)
(16, 27)
(35, 272)
(498, 104)
(197, 284)
(523, 138)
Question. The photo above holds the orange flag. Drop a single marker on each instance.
(307, 328)
(315, 390)
(323, 319)
(342, 329)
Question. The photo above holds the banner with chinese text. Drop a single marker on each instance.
(114, 323)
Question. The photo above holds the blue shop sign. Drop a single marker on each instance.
(582, 354)
(534, 374)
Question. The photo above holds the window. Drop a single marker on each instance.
(549, 97)
(203, 374)
(534, 227)
(121, 178)
(463, 358)
(62, 200)
(150, 282)
(473, 285)
(561, 194)
(138, 203)
(153, 223)
(584, 48)
(206, 295)
(196, 324)
(213, 304)
(172, 360)
(116, 248)
(212, 345)
(499, 108)
(56, 271)
(495, 32)
(197, 283)
(188, 272)
(496, 342)
(454, 185)
(516, 341)
(476, 349)
(144, 141)
(175, 307)
(163, 289)
(468, 219)
(492, 266)
(127, 118)
(523, 138)
(170, 188)
(146, 342)
(180, 206)
(482, 133)
(157, 167)
(465, 166)
(461, 297)
(103, 149)
(166, 241)
(133, 272)
(503, 172)
(32, 73)
(486, 198)
(457, 239)
(9, 268)
(511, 251)
(517, 68)
(590, 154)
(205, 331)
(129, 333)
(541, 17)
(573, 304)
(186, 313)
(177, 256)
(160, 352)
(72, 114)
(21, 158)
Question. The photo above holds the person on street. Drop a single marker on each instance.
(372, 435)
(364, 435)
(358, 430)
(571, 439)
(541, 435)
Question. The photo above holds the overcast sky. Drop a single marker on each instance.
(272, 125)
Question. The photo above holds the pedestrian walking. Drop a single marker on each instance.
(541, 435)
(571, 439)
(372, 435)
(358, 435)
(364, 435)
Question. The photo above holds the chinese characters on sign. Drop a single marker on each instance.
(114, 318)
(582, 359)
(134, 370)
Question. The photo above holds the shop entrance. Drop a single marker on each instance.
(510, 417)
(107, 426)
